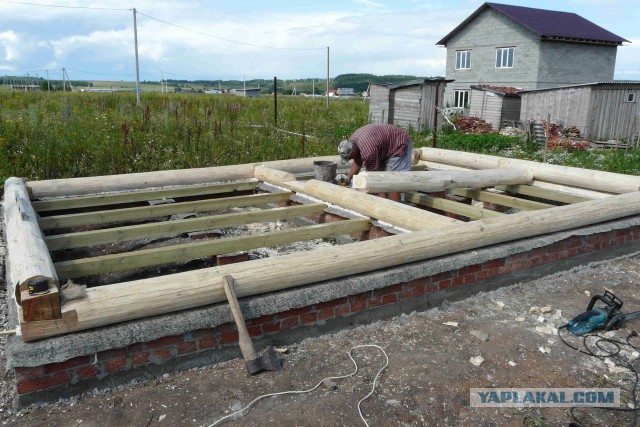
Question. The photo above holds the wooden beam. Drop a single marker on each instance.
(140, 196)
(501, 199)
(592, 194)
(188, 251)
(169, 228)
(137, 181)
(385, 210)
(382, 182)
(457, 208)
(273, 176)
(543, 193)
(124, 301)
(565, 175)
(143, 212)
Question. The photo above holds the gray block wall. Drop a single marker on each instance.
(563, 64)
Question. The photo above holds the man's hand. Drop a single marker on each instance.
(342, 179)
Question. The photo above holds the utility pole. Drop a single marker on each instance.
(244, 85)
(135, 39)
(161, 82)
(63, 85)
(327, 76)
(275, 102)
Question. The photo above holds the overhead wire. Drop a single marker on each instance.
(60, 6)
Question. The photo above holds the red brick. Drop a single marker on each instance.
(470, 269)
(225, 327)
(493, 272)
(431, 287)
(140, 359)
(445, 284)
(260, 320)
(325, 314)
(389, 290)
(469, 278)
(402, 295)
(359, 297)
(135, 349)
(417, 292)
(270, 327)
(162, 353)
(457, 281)
(332, 303)
(187, 347)
(86, 372)
(342, 310)
(362, 305)
(165, 341)
(416, 283)
(116, 364)
(387, 299)
(26, 373)
(67, 364)
(482, 275)
(42, 383)
(374, 302)
(111, 354)
(309, 318)
(441, 276)
(254, 330)
(572, 252)
(229, 337)
(232, 259)
(290, 322)
(294, 312)
(204, 343)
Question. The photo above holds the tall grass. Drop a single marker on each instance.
(59, 135)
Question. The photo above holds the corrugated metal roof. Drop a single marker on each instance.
(611, 83)
(411, 83)
(548, 24)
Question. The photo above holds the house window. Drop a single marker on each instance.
(504, 57)
(461, 98)
(631, 97)
(463, 59)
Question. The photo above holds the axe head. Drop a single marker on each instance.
(267, 361)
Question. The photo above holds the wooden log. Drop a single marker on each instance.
(272, 176)
(397, 214)
(136, 181)
(28, 257)
(111, 304)
(543, 193)
(565, 175)
(592, 194)
(188, 251)
(383, 182)
(170, 228)
(140, 196)
(457, 208)
(501, 199)
(130, 214)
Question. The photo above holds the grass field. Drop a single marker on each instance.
(58, 135)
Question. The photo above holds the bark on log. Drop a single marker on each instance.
(565, 175)
(124, 301)
(137, 181)
(383, 182)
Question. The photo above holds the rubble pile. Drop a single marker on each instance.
(566, 138)
(473, 125)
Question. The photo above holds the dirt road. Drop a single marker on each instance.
(427, 381)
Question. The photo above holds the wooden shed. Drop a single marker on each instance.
(601, 110)
(407, 104)
(495, 104)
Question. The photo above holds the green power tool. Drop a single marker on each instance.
(606, 318)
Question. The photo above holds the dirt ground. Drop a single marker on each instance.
(427, 381)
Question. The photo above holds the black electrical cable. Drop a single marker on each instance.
(615, 346)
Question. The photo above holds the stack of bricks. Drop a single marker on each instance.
(158, 352)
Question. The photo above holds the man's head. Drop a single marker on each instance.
(345, 148)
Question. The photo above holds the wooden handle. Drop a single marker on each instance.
(246, 346)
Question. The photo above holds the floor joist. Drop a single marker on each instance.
(144, 212)
(501, 199)
(170, 228)
(170, 254)
(140, 196)
(543, 193)
(452, 206)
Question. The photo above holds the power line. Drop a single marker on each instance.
(107, 74)
(228, 40)
(61, 6)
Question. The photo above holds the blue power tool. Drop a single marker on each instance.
(606, 318)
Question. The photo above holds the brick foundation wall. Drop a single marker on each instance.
(71, 374)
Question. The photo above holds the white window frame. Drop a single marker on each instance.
(463, 59)
(631, 97)
(461, 101)
(502, 60)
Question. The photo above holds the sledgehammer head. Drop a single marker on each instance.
(267, 361)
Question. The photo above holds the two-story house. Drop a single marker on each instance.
(526, 48)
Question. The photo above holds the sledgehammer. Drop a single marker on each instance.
(269, 359)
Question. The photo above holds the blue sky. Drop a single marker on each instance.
(364, 36)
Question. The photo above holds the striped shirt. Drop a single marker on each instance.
(377, 142)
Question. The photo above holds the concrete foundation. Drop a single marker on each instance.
(101, 358)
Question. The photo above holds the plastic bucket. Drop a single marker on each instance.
(325, 170)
